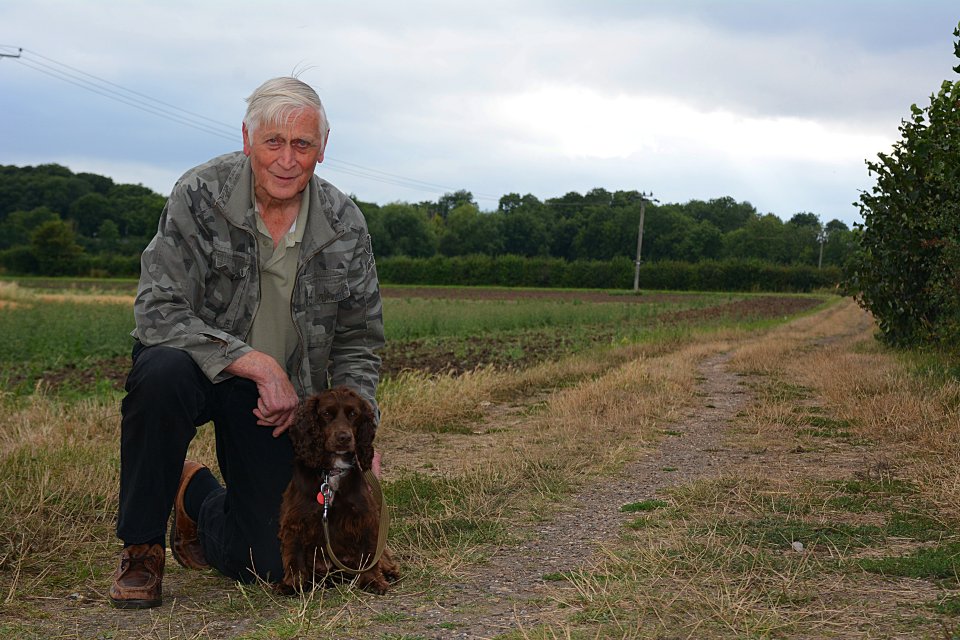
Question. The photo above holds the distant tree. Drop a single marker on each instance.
(99, 184)
(605, 232)
(725, 213)
(805, 219)
(402, 229)
(19, 226)
(841, 243)
(836, 225)
(524, 225)
(137, 210)
(55, 248)
(563, 234)
(450, 201)
(89, 211)
(803, 235)
(468, 231)
(665, 229)
(763, 238)
(108, 236)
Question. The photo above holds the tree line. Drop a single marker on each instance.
(603, 225)
(56, 222)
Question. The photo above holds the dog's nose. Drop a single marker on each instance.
(344, 437)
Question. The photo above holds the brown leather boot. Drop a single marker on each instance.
(138, 582)
(184, 540)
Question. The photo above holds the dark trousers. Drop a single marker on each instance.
(168, 398)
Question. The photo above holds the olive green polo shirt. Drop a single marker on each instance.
(273, 331)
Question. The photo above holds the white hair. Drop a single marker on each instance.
(276, 100)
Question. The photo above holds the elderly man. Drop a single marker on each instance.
(259, 289)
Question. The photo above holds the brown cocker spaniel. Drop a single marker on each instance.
(330, 514)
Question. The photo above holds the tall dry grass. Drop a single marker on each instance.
(698, 570)
(880, 392)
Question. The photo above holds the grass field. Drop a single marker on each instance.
(53, 332)
(818, 437)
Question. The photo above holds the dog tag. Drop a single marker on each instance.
(320, 497)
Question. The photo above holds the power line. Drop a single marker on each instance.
(153, 106)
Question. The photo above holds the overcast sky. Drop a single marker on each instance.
(775, 102)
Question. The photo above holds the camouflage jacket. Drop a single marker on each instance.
(199, 281)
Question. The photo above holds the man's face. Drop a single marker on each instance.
(284, 156)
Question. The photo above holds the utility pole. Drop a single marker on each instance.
(636, 271)
(10, 55)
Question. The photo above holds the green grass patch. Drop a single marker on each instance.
(558, 576)
(916, 526)
(938, 562)
(884, 486)
(780, 532)
(644, 522)
(447, 510)
(644, 505)
(823, 427)
(949, 605)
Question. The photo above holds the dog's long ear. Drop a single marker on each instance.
(305, 433)
(366, 431)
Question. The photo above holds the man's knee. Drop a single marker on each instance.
(164, 379)
(163, 367)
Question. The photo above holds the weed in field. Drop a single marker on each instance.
(948, 605)
(941, 562)
(644, 505)
(916, 526)
(642, 523)
(781, 532)
(823, 427)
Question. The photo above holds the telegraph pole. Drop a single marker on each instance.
(644, 199)
(636, 271)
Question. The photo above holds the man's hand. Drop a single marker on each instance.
(277, 406)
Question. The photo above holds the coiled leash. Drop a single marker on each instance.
(325, 497)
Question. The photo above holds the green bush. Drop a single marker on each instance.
(907, 269)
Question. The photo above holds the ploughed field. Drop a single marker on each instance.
(79, 340)
(522, 348)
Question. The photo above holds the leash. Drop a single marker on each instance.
(326, 492)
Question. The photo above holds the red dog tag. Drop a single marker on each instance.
(320, 497)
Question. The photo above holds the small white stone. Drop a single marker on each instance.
(797, 546)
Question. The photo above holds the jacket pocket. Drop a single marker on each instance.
(323, 286)
(225, 296)
(318, 304)
(232, 264)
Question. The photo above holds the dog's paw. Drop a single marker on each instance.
(373, 581)
(288, 588)
(378, 587)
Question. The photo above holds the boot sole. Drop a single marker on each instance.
(136, 604)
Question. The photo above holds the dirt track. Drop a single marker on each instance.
(510, 588)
